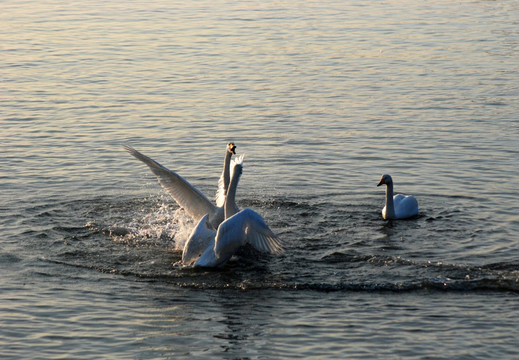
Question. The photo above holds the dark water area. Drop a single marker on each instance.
(107, 282)
(322, 98)
(347, 247)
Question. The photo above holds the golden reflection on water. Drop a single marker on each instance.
(326, 82)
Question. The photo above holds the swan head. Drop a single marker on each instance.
(386, 179)
(231, 148)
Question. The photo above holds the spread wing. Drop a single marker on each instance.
(260, 236)
(247, 226)
(186, 195)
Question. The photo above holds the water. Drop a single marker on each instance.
(323, 98)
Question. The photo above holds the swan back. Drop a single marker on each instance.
(405, 206)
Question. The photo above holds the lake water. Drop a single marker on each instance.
(322, 97)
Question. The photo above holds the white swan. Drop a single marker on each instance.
(194, 202)
(203, 234)
(239, 228)
(397, 206)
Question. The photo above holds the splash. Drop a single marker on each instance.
(159, 226)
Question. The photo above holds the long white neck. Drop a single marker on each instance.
(226, 169)
(390, 206)
(230, 199)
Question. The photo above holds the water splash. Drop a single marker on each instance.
(149, 225)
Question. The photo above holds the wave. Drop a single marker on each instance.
(329, 247)
(242, 276)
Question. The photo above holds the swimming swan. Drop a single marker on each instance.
(398, 206)
(196, 204)
(239, 228)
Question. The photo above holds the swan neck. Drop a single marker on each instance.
(226, 169)
(230, 199)
(390, 206)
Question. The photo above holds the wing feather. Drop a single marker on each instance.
(220, 193)
(186, 195)
(260, 235)
(247, 226)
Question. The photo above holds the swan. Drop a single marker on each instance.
(238, 229)
(203, 234)
(398, 206)
(196, 204)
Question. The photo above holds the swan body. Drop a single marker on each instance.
(397, 206)
(196, 204)
(238, 229)
(245, 227)
(221, 228)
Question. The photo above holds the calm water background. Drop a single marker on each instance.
(323, 97)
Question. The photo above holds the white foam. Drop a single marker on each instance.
(158, 226)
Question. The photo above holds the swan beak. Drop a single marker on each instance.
(382, 181)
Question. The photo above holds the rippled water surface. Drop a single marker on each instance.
(322, 98)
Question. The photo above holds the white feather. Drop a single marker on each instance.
(186, 195)
(220, 193)
(238, 160)
(245, 227)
